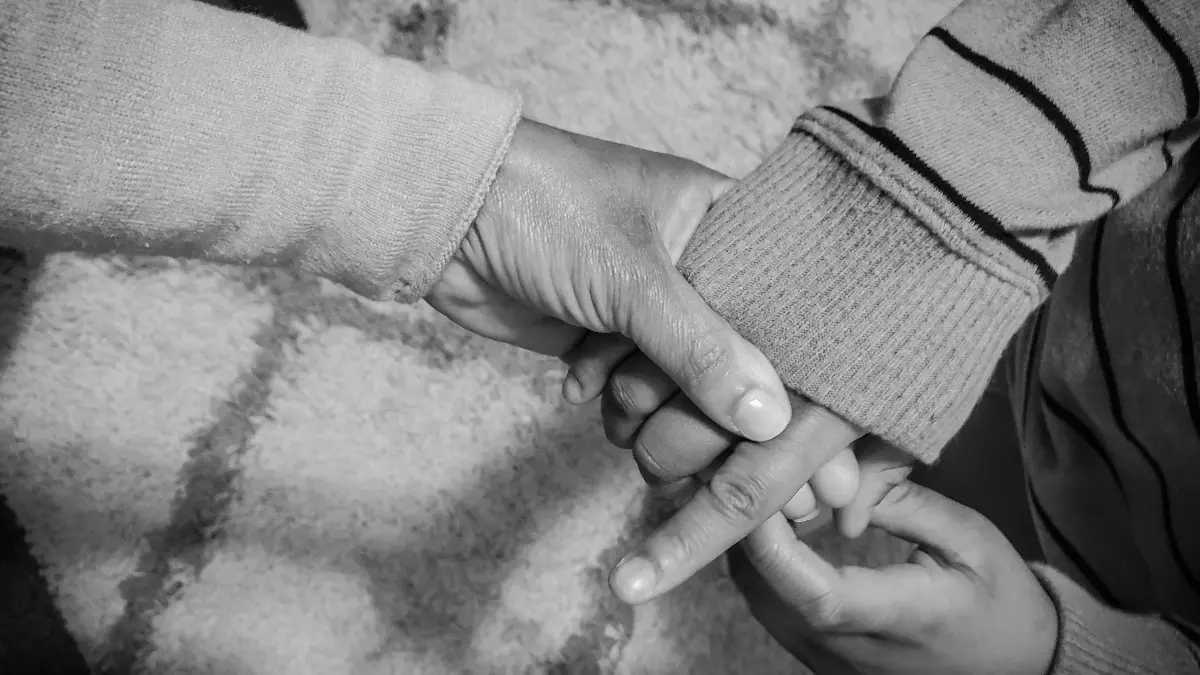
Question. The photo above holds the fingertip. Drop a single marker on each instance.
(760, 415)
(725, 375)
(837, 482)
(633, 580)
(582, 385)
(803, 506)
(852, 522)
(591, 364)
(572, 390)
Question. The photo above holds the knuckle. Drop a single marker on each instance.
(974, 521)
(823, 611)
(649, 458)
(616, 430)
(708, 355)
(980, 530)
(683, 547)
(768, 560)
(624, 394)
(739, 497)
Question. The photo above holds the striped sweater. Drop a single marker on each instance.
(887, 252)
(884, 255)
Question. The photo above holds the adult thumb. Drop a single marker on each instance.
(726, 376)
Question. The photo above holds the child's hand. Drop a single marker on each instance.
(965, 602)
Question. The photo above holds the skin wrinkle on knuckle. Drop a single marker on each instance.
(643, 289)
(738, 497)
(823, 611)
(707, 356)
(645, 456)
(767, 560)
(624, 396)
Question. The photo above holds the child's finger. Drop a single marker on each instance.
(881, 467)
(592, 362)
(803, 506)
(831, 600)
(954, 532)
(837, 482)
(637, 388)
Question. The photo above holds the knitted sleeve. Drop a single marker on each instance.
(883, 255)
(171, 127)
(1094, 639)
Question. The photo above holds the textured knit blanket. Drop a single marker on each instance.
(249, 472)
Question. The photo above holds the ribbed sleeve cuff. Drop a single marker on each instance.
(893, 321)
(438, 144)
(1094, 639)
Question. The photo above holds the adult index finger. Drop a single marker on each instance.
(755, 482)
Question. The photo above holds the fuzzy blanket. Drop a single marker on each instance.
(249, 472)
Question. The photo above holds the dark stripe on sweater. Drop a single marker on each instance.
(1032, 359)
(1110, 381)
(988, 223)
(1187, 345)
(1187, 74)
(1168, 160)
(1073, 555)
(1059, 412)
(1039, 100)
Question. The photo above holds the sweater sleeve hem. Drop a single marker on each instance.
(186, 130)
(420, 223)
(868, 301)
(1095, 639)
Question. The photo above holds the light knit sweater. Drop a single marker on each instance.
(883, 261)
(886, 253)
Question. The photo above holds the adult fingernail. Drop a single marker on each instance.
(634, 579)
(759, 417)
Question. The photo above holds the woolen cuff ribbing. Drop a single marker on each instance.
(1094, 639)
(859, 305)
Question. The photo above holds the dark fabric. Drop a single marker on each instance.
(33, 638)
(285, 12)
(982, 468)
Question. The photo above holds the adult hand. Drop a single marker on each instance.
(965, 602)
(741, 485)
(749, 484)
(570, 238)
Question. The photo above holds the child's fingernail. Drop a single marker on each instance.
(807, 517)
(758, 417)
(894, 495)
(572, 390)
(634, 579)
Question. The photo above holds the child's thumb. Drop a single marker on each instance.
(881, 467)
(936, 523)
